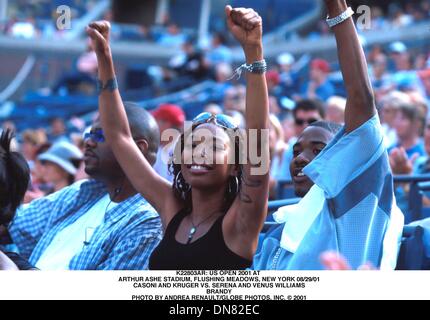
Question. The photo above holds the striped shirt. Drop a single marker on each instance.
(124, 241)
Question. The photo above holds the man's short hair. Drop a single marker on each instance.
(143, 126)
(332, 127)
(309, 105)
(414, 114)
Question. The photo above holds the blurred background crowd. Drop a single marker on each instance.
(175, 58)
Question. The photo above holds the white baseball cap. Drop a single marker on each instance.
(62, 154)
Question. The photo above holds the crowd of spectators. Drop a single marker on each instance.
(398, 14)
(298, 97)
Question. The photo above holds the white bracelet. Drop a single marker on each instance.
(340, 18)
(258, 67)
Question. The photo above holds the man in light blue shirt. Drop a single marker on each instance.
(344, 178)
(347, 204)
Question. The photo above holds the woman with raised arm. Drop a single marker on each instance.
(213, 213)
(344, 177)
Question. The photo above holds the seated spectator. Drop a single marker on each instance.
(273, 80)
(408, 125)
(219, 52)
(425, 81)
(168, 116)
(60, 164)
(288, 128)
(274, 107)
(190, 62)
(82, 79)
(31, 142)
(277, 148)
(400, 18)
(379, 76)
(336, 109)
(306, 112)
(401, 164)
(234, 99)
(223, 73)
(102, 223)
(400, 56)
(38, 187)
(390, 105)
(288, 78)
(378, 19)
(172, 36)
(344, 177)
(57, 131)
(409, 152)
(318, 86)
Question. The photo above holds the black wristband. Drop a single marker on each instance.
(110, 85)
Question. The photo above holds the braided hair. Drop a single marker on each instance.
(182, 189)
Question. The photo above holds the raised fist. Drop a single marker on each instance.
(245, 25)
(99, 31)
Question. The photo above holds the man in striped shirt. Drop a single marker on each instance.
(98, 224)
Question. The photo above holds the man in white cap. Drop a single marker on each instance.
(60, 164)
(288, 82)
(400, 56)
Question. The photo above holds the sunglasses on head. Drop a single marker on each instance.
(301, 122)
(95, 135)
(220, 120)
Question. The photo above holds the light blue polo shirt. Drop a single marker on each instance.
(351, 209)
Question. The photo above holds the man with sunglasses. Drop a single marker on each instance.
(97, 224)
(306, 112)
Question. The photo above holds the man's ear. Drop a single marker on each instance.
(142, 144)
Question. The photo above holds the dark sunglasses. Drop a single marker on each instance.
(220, 120)
(95, 135)
(301, 122)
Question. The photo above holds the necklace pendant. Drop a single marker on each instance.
(192, 231)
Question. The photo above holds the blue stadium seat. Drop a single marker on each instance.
(414, 210)
(415, 248)
(424, 189)
(284, 189)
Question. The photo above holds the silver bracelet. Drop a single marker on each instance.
(340, 18)
(258, 67)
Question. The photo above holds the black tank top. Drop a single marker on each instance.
(209, 252)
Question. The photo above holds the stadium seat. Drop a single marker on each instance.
(414, 210)
(424, 187)
(415, 248)
(284, 189)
